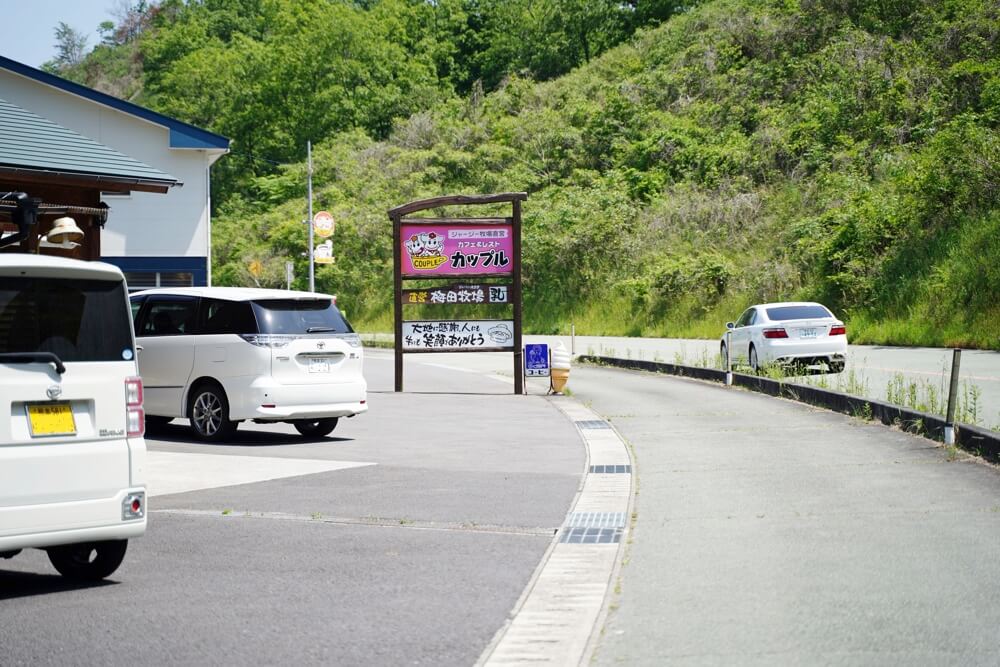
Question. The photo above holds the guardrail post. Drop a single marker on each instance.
(729, 359)
(949, 420)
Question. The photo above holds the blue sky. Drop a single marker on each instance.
(29, 25)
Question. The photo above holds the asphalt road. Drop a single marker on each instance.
(766, 532)
(416, 557)
(870, 368)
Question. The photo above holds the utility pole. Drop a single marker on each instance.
(312, 270)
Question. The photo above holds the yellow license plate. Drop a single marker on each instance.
(51, 419)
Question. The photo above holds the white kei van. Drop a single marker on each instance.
(221, 355)
(71, 419)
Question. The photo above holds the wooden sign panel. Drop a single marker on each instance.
(469, 249)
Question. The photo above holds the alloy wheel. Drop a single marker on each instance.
(207, 413)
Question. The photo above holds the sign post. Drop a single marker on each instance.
(472, 253)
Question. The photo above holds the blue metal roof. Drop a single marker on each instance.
(32, 143)
(182, 135)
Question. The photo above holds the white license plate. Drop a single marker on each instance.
(319, 365)
(807, 333)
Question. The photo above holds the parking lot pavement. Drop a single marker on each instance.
(405, 537)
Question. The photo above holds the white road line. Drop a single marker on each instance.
(177, 472)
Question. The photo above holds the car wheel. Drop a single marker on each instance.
(722, 355)
(836, 366)
(208, 410)
(315, 428)
(91, 561)
(754, 363)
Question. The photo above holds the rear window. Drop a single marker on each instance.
(797, 313)
(299, 316)
(77, 320)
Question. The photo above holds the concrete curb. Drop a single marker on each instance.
(561, 612)
(973, 439)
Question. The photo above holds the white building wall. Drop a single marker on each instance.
(175, 224)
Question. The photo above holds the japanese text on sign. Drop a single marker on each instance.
(457, 294)
(451, 250)
(458, 335)
(536, 360)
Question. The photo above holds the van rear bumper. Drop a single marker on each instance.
(52, 524)
(268, 400)
(310, 411)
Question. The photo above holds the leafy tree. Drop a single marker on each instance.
(70, 46)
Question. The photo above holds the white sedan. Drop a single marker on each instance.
(800, 333)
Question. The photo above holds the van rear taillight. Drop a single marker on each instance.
(133, 391)
(135, 415)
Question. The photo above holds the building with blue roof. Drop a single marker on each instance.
(158, 227)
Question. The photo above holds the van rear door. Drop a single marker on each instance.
(63, 435)
(310, 341)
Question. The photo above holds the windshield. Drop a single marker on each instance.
(797, 313)
(77, 320)
(300, 316)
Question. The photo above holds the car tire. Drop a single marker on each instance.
(722, 355)
(208, 410)
(315, 428)
(90, 561)
(836, 366)
(752, 360)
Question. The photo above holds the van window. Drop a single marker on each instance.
(170, 316)
(77, 320)
(299, 316)
(227, 317)
(136, 303)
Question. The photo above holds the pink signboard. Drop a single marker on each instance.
(456, 250)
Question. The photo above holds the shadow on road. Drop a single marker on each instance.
(245, 437)
(509, 392)
(27, 584)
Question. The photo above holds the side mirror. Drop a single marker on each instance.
(730, 325)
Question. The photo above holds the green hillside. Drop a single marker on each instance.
(745, 150)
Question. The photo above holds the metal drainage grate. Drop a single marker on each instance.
(591, 536)
(604, 470)
(593, 423)
(595, 520)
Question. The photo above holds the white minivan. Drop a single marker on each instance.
(71, 421)
(221, 355)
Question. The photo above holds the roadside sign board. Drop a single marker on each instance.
(323, 224)
(452, 294)
(465, 267)
(456, 250)
(323, 253)
(536, 360)
(456, 335)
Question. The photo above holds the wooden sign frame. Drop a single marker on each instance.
(398, 216)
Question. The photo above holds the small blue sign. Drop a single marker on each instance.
(536, 360)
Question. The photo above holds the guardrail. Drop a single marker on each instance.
(972, 439)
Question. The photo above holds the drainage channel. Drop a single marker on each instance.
(560, 613)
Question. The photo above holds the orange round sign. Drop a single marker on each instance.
(323, 224)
